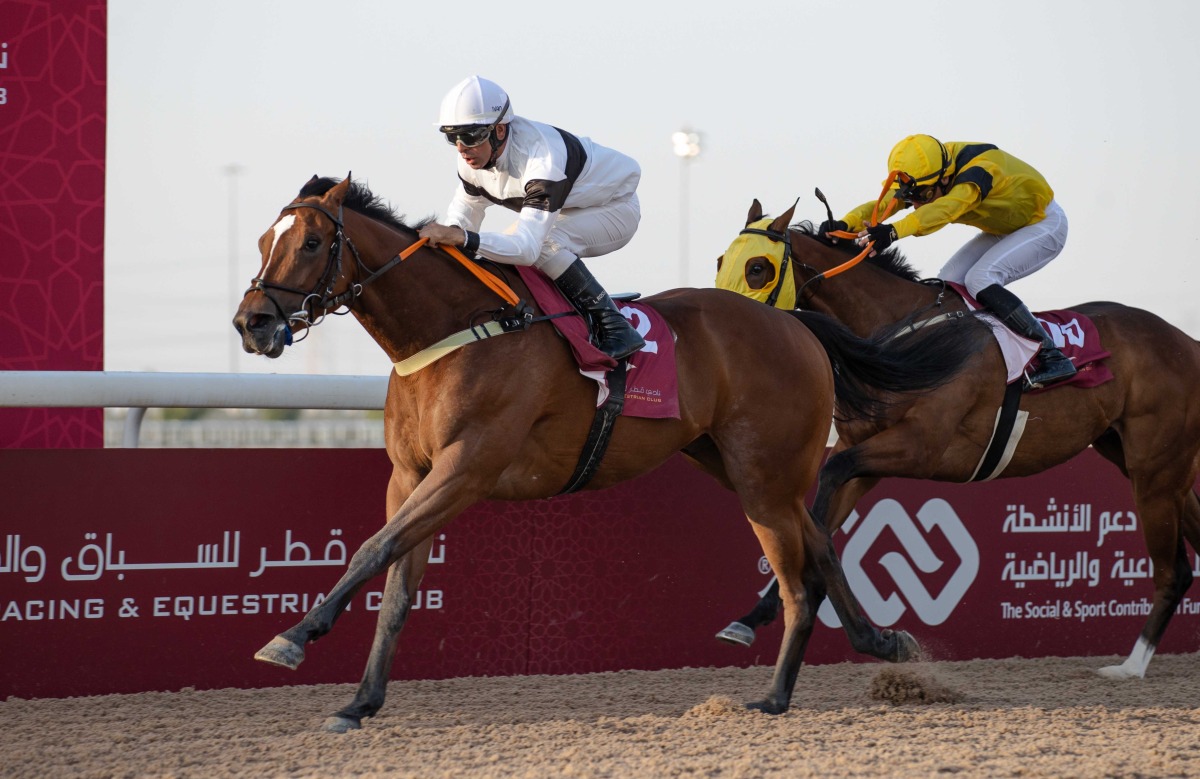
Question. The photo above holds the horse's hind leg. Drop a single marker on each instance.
(1191, 521)
(403, 579)
(895, 646)
(1161, 508)
(784, 543)
(1108, 446)
(835, 500)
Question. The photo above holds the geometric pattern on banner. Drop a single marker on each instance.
(52, 146)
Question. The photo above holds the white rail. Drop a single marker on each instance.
(139, 391)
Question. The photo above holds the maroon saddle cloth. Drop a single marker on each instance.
(651, 382)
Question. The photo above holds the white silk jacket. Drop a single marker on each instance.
(541, 172)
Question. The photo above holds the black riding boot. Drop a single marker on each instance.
(614, 335)
(1054, 365)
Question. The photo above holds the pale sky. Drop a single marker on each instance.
(788, 95)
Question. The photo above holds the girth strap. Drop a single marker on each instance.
(1010, 426)
(601, 432)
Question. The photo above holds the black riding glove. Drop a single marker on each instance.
(832, 225)
(883, 236)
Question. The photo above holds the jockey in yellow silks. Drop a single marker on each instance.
(1022, 226)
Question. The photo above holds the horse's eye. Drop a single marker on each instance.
(311, 243)
(756, 268)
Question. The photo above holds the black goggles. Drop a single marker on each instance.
(911, 192)
(469, 137)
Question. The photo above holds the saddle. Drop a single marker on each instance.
(1074, 334)
(653, 392)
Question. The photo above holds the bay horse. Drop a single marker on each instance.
(1146, 420)
(472, 426)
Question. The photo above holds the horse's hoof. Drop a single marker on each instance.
(737, 634)
(907, 648)
(281, 652)
(1118, 672)
(767, 706)
(337, 724)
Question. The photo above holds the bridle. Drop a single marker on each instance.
(815, 276)
(321, 296)
(818, 276)
(783, 263)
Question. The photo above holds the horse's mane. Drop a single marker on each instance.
(361, 199)
(890, 259)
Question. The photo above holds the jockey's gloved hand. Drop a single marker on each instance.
(832, 225)
(883, 236)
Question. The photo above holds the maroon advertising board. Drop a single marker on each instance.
(131, 570)
(52, 130)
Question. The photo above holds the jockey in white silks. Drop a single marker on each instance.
(573, 197)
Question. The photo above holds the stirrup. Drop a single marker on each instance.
(620, 342)
(625, 351)
(1049, 374)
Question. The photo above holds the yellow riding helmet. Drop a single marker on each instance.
(922, 159)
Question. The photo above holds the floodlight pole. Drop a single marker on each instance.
(687, 147)
(232, 171)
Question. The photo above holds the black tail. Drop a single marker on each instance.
(868, 370)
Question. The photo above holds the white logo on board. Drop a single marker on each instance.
(906, 569)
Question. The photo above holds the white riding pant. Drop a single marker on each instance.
(588, 232)
(990, 259)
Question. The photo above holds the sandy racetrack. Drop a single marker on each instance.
(1051, 717)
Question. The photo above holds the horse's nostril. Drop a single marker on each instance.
(253, 323)
(260, 322)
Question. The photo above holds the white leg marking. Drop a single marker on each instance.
(281, 227)
(1134, 666)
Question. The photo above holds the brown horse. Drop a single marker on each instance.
(471, 427)
(1146, 421)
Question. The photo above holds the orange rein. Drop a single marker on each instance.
(490, 281)
(875, 219)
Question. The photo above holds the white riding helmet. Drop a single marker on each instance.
(474, 101)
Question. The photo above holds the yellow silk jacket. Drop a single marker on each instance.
(989, 189)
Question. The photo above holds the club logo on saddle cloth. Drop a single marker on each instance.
(1074, 334)
(651, 383)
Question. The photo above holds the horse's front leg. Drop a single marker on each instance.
(399, 594)
(799, 619)
(440, 497)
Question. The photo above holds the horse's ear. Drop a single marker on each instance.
(307, 184)
(780, 225)
(335, 196)
(755, 212)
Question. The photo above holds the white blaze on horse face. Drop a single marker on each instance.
(281, 227)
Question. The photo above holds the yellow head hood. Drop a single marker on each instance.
(752, 243)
